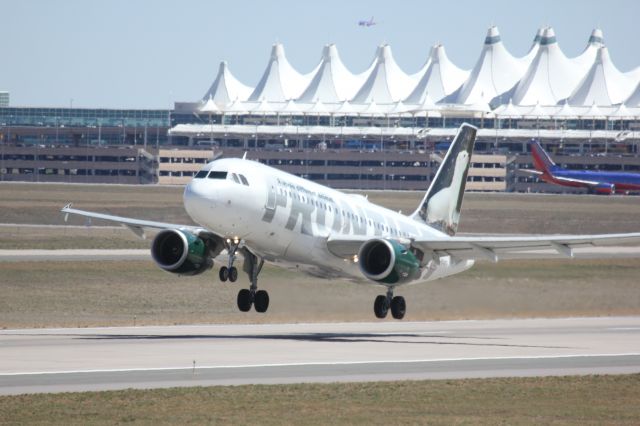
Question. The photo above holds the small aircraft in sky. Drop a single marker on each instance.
(596, 182)
(247, 208)
(369, 23)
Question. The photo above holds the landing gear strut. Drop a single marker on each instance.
(252, 296)
(384, 302)
(230, 272)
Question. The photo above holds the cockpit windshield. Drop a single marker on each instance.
(201, 174)
(217, 175)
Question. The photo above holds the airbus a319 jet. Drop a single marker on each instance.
(267, 215)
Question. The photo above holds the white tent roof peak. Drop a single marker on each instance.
(209, 106)
(386, 83)
(317, 107)
(344, 108)
(536, 112)
(535, 45)
(495, 72)
(440, 78)
(264, 107)
(548, 37)
(290, 108)
(597, 37)
(508, 110)
(551, 76)
(593, 112)
(225, 87)
(332, 82)
(584, 61)
(536, 39)
(603, 84)
(280, 81)
(493, 35)
(566, 111)
(236, 107)
(621, 112)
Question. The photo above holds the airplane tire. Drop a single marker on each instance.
(224, 274)
(381, 306)
(398, 307)
(233, 274)
(261, 301)
(244, 300)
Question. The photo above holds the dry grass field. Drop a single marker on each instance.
(589, 400)
(44, 294)
(41, 294)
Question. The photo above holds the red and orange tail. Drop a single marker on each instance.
(541, 159)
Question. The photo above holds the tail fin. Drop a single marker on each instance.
(440, 207)
(541, 159)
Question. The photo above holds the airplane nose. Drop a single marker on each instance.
(196, 196)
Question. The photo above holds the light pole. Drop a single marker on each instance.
(99, 132)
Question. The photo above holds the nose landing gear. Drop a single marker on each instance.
(230, 272)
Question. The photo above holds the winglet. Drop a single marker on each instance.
(244, 156)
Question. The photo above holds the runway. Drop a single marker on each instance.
(90, 255)
(56, 360)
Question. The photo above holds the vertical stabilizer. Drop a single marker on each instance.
(440, 207)
(541, 159)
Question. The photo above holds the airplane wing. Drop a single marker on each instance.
(495, 248)
(137, 226)
(567, 181)
(589, 183)
(531, 172)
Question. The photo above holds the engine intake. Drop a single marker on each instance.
(388, 262)
(180, 252)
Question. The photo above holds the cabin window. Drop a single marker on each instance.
(218, 175)
(201, 174)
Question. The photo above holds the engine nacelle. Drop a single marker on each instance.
(180, 252)
(388, 262)
(604, 188)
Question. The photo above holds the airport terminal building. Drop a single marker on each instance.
(382, 128)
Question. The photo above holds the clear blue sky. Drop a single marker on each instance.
(148, 54)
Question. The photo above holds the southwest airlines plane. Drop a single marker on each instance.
(597, 182)
(266, 215)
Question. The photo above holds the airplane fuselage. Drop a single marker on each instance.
(287, 220)
(622, 181)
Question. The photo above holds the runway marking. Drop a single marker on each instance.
(624, 328)
(320, 363)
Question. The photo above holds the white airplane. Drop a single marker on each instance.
(265, 214)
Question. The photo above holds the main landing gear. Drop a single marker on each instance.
(384, 302)
(252, 266)
(252, 296)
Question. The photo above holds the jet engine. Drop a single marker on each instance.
(180, 252)
(604, 188)
(387, 261)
